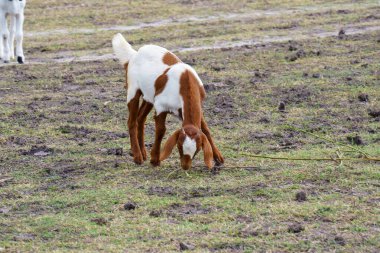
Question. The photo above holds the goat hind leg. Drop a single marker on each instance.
(145, 109)
(133, 107)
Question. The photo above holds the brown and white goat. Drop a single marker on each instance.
(170, 86)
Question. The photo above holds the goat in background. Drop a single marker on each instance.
(15, 10)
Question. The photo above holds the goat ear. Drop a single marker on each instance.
(169, 145)
(207, 151)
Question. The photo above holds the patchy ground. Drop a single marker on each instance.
(68, 183)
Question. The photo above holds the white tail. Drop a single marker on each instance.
(122, 49)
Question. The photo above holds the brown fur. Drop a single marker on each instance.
(190, 92)
(218, 158)
(144, 110)
(207, 151)
(169, 145)
(160, 83)
(133, 107)
(160, 133)
(170, 59)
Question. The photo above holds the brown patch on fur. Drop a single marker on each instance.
(170, 59)
(191, 95)
(169, 145)
(160, 83)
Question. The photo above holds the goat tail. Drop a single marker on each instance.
(122, 49)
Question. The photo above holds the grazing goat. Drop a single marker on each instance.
(14, 9)
(170, 86)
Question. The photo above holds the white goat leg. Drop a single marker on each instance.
(15, 10)
(12, 31)
(2, 13)
(19, 38)
(1, 46)
(4, 37)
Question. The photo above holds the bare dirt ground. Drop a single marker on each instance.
(68, 183)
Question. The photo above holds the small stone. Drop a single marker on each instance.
(300, 53)
(123, 135)
(363, 97)
(281, 107)
(115, 151)
(24, 237)
(130, 206)
(295, 228)
(354, 61)
(340, 240)
(210, 87)
(4, 210)
(357, 140)
(99, 221)
(41, 153)
(264, 120)
(217, 68)
(301, 196)
(316, 75)
(293, 58)
(119, 151)
(155, 213)
(183, 246)
(374, 113)
(341, 33)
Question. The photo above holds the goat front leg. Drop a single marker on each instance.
(145, 109)
(4, 37)
(133, 107)
(160, 133)
(218, 158)
(19, 38)
(12, 31)
(1, 46)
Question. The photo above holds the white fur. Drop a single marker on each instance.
(14, 9)
(122, 49)
(189, 147)
(144, 67)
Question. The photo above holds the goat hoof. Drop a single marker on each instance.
(138, 160)
(155, 163)
(20, 60)
(144, 155)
